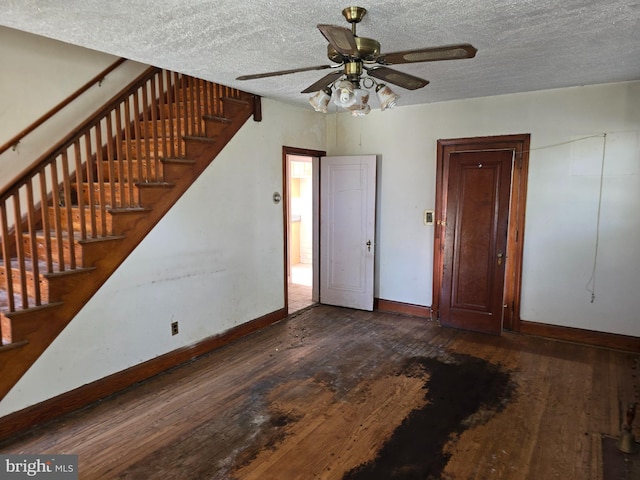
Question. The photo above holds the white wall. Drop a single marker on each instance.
(562, 203)
(214, 261)
(36, 75)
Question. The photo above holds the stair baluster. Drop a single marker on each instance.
(72, 217)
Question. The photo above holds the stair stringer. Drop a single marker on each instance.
(39, 326)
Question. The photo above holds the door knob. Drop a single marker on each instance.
(369, 246)
(500, 255)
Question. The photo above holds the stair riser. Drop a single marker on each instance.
(152, 129)
(18, 326)
(75, 219)
(163, 149)
(180, 110)
(32, 330)
(126, 198)
(30, 284)
(176, 171)
(55, 257)
(125, 222)
(213, 128)
(150, 169)
(183, 93)
(150, 195)
(197, 148)
(63, 284)
(234, 107)
(94, 251)
(5, 327)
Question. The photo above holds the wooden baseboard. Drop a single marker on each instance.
(568, 334)
(402, 308)
(80, 397)
(578, 335)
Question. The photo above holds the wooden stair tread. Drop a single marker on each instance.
(77, 236)
(186, 161)
(5, 346)
(119, 184)
(216, 118)
(125, 210)
(108, 209)
(105, 238)
(42, 268)
(155, 184)
(172, 151)
(199, 138)
(236, 100)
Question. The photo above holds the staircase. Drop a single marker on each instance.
(73, 217)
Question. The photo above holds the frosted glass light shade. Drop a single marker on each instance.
(360, 107)
(343, 95)
(386, 96)
(320, 100)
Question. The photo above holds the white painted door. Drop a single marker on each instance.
(347, 230)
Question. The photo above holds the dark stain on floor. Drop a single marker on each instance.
(454, 393)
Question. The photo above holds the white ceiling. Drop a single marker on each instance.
(523, 45)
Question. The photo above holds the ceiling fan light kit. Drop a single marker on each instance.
(363, 65)
(344, 94)
(320, 100)
(386, 97)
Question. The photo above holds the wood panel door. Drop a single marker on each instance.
(347, 230)
(476, 240)
(480, 205)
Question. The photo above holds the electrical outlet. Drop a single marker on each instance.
(174, 328)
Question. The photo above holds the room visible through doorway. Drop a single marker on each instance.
(300, 232)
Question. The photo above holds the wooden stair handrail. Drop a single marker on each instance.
(28, 330)
(67, 195)
(98, 78)
(36, 165)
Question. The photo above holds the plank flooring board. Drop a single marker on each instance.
(325, 394)
(558, 422)
(484, 447)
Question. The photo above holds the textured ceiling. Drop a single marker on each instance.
(523, 45)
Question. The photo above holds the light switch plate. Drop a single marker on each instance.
(428, 217)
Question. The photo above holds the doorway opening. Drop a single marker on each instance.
(301, 172)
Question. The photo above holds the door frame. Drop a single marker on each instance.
(519, 144)
(303, 152)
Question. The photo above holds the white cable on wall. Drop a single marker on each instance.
(591, 284)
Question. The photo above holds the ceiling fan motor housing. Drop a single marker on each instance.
(368, 50)
(353, 71)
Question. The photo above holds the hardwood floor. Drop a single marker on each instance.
(333, 393)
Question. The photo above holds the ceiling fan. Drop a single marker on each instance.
(353, 56)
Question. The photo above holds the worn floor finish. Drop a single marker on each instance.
(334, 393)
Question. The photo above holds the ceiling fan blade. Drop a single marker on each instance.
(447, 52)
(283, 72)
(401, 79)
(323, 82)
(341, 39)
